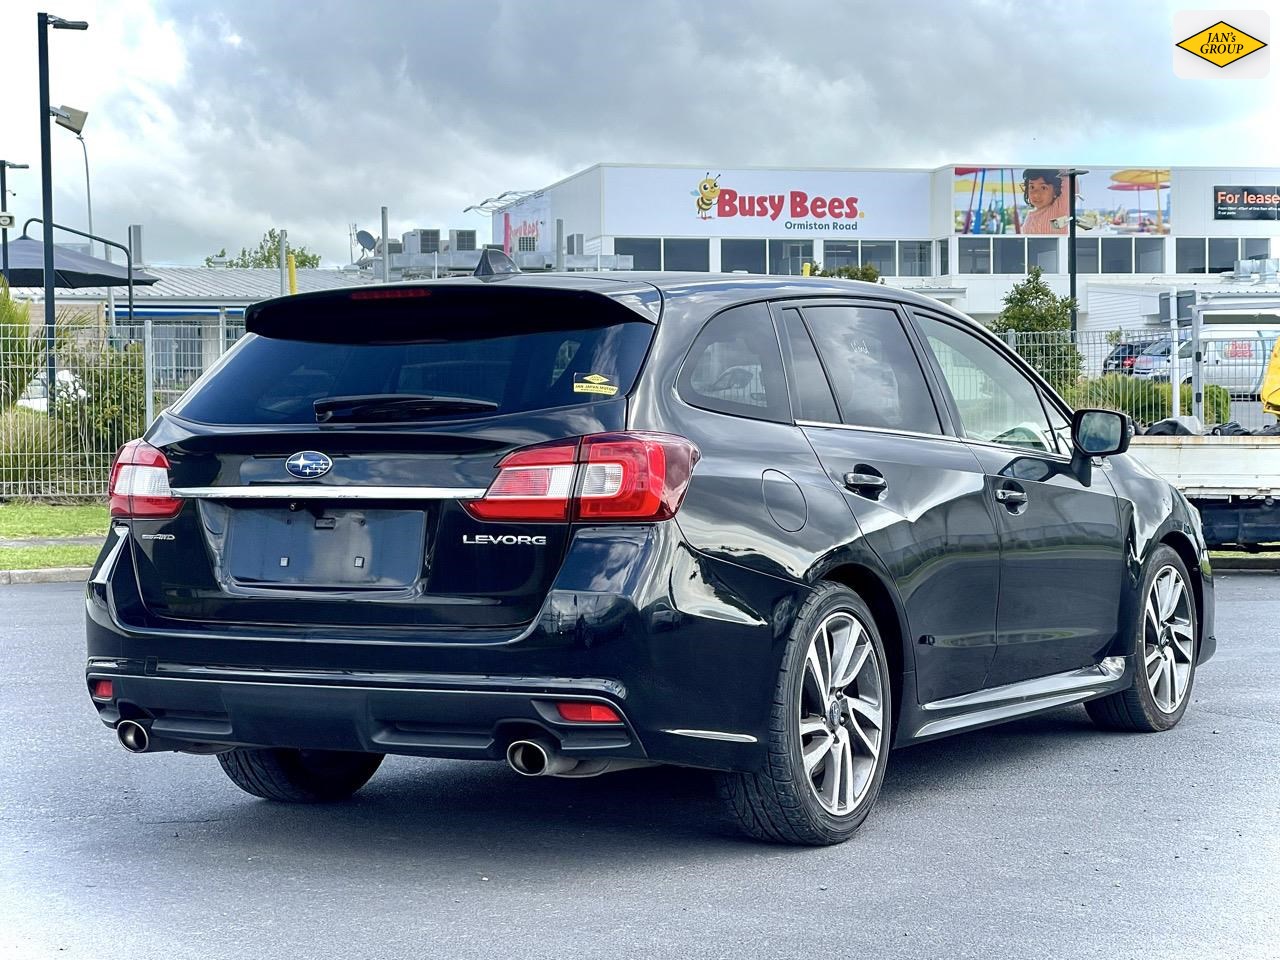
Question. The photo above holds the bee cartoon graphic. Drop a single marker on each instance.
(706, 193)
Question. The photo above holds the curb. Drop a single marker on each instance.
(48, 575)
(1245, 563)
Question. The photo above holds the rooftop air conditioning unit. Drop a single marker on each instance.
(422, 241)
(462, 240)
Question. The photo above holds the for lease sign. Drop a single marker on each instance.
(1246, 203)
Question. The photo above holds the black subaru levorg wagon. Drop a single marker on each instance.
(770, 527)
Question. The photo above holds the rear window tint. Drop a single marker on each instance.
(735, 367)
(264, 380)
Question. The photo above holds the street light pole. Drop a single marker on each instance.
(43, 22)
(5, 166)
(88, 197)
(1072, 174)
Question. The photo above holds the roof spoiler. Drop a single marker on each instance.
(494, 264)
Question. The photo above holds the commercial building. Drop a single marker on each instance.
(963, 234)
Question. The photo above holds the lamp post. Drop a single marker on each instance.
(4, 208)
(72, 119)
(43, 22)
(1072, 174)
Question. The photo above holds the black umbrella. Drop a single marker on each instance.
(71, 270)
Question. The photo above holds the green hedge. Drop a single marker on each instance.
(1145, 400)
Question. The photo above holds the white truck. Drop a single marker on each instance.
(1233, 481)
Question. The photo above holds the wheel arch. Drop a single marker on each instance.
(1181, 544)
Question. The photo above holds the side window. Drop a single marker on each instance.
(995, 401)
(735, 367)
(873, 367)
(809, 387)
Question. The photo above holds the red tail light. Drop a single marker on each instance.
(598, 478)
(102, 690)
(140, 483)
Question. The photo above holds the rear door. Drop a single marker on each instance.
(917, 494)
(1062, 566)
(324, 467)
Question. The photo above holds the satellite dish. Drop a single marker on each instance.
(365, 239)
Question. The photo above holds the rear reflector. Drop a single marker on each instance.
(597, 478)
(576, 712)
(102, 690)
(140, 483)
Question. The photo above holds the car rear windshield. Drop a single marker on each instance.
(265, 380)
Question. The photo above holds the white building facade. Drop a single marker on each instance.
(963, 234)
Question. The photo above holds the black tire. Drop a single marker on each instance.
(298, 776)
(1135, 709)
(778, 803)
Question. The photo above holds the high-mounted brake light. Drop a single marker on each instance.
(604, 477)
(140, 483)
(392, 293)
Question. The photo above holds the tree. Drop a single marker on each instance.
(866, 272)
(267, 254)
(1040, 323)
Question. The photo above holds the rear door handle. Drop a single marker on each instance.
(866, 483)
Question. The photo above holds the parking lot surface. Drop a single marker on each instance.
(1040, 838)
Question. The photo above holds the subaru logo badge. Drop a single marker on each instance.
(308, 464)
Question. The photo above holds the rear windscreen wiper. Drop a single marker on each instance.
(404, 407)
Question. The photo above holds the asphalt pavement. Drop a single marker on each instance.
(1042, 838)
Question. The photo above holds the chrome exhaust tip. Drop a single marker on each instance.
(529, 758)
(133, 736)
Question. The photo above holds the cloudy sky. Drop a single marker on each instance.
(210, 122)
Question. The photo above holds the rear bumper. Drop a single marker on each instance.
(684, 647)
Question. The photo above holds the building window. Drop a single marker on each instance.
(1117, 255)
(1042, 252)
(914, 258)
(1189, 255)
(1086, 255)
(944, 257)
(1010, 255)
(882, 255)
(788, 257)
(464, 240)
(745, 256)
(645, 254)
(1148, 255)
(973, 255)
(1257, 247)
(1222, 254)
(526, 244)
(686, 255)
(839, 253)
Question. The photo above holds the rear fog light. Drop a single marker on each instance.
(102, 690)
(576, 712)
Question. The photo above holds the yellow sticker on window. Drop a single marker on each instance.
(595, 383)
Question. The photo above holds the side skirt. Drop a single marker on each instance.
(997, 704)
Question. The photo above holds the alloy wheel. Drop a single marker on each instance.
(841, 713)
(1169, 648)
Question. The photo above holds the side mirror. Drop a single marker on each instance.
(1100, 433)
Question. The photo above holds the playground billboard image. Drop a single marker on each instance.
(1035, 200)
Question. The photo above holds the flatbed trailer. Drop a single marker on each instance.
(1233, 481)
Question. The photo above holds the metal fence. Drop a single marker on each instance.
(62, 447)
(1134, 371)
